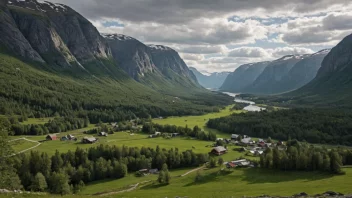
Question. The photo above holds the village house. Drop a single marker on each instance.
(219, 150)
(175, 134)
(157, 133)
(51, 137)
(103, 134)
(154, 171)
(70, 137)
(89, 140)
(234, 137)
(247, 141)
(230, 165)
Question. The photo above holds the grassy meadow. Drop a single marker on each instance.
(218, 184)
(213, 183)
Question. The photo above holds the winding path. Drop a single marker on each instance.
(38, 144)
(191, 171)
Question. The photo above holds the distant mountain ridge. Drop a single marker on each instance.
(243, 76)
(213, 81)
(288, 73)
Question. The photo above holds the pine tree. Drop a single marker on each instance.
(39, 183)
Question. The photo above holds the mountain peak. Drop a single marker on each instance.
(119, 37)
(159, 47)
(42, 6)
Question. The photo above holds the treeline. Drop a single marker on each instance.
(196, 132)
(305, 157)
(312, 125)
(69, 172)
(56, 125)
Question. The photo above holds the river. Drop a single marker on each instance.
(251, 105)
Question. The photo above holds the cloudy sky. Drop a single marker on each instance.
(220, 35)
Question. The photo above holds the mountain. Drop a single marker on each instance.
(333, 84)
(213, 81)
(268, 82)
(133, 56)
(302, 72)
(54, 61)
(243, 76)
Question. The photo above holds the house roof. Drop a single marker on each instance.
(52, 135)
(220, 149)
(231, 164)
(246, 140)
(91, 139)
(234, 136)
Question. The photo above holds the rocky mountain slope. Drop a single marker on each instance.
(213, 81)
(92, 71)
(243, 76)
(268, 82)
(333, 84)
(133, 56)
(302, 72)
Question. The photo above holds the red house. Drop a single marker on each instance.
(51, 137)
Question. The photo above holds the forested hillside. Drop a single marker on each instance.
(312, 125)
(73, 71)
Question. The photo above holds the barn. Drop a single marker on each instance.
(51, 137)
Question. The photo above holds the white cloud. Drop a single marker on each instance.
(203, 33)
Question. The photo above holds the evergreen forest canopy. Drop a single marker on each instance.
(33, 90)
(322, 126)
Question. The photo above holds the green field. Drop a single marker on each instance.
(219, 184)
(21, 145)
(215, 183)
(192, 121)
(201, 121)
(249, 182)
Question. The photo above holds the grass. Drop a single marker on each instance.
(21, 145)
(248, 182)
(201, 121)
(193, 121)
(120, 184)
(236, 183)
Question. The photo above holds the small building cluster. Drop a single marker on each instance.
(68, 138)
(167, 135)
(255, 148)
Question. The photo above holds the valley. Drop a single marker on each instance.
(175, 99)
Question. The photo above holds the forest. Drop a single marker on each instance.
(322, 126)
(34, 91)
(304, 157)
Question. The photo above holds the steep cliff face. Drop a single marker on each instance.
(42, 36)
(82, 38)
(131, 55)
(169, 62)
(51, 33)
(303, 72)
(243, 76)
(338, 59)
(12, 38)
(333, 84)
(268, 81)
(212, 81)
